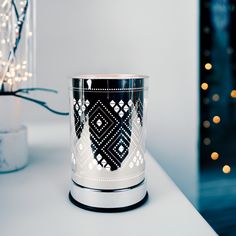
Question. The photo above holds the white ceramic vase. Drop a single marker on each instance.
(13, 135)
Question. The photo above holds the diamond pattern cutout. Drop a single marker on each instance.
(112, 103)
(121, 114)
(99, 122)
(121, 148)
(87, 102)
(116, 108)
(126, 108)
(103, 127)
(121, 103)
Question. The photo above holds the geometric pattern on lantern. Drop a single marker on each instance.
(110, 136)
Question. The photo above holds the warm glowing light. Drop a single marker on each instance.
(24, 62)
(215, 156)
(18, 66)
(226, 169)
(3, 41)
(206, 141)
(206, 124)
(215, 97)
(30, 75)
(204, 86)
(30, 34)
(208, 66)
(216, 119)
(13, 73)
(9, 81)
(17, 79)
(233, 93)
(8, 74)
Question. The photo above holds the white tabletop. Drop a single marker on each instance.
(34, 201)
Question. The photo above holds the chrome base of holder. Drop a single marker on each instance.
(108, 200)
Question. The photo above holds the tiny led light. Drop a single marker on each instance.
(206, 124)
(9, 82)
(215, 156)
(215, 97)
(206, 141)
(226, 169)
(233, 93)
(216, 119)
(204, 86)
(208, 66)
(8, 74)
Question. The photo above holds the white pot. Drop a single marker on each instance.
(13, 135)
(10, 113)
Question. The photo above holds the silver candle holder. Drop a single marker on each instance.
(108, 116)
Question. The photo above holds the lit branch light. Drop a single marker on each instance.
(14, 65)
(204, 86)
(215, 156)
(216, 119)
(215, 97)
(233, 93)
(206, 124)
(208, 66)
(226, 169)
(207, 141)
(16, 52)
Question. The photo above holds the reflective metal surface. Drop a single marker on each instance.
(108, 130)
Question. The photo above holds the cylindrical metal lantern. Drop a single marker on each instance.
(108, 116)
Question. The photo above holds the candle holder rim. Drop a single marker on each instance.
(115, 76)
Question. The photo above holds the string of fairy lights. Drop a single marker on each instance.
(14, 66)
(208, 66)
(215, 119)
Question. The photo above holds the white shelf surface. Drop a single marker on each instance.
(34, 200)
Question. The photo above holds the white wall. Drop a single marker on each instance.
(153, 37)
